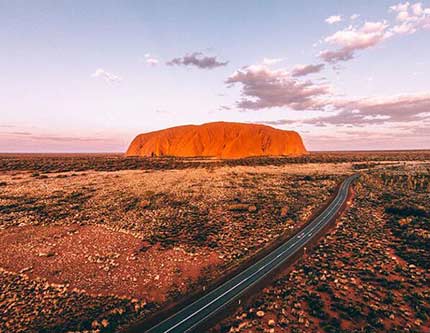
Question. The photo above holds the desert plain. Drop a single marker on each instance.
(96, 242)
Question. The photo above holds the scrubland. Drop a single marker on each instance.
(95, 242)
(370, 274)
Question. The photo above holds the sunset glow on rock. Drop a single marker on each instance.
(218, 139)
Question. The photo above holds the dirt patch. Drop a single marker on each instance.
(101, 261)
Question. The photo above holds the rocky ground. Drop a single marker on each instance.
(94, 250)
(370, 274)
(99, 261)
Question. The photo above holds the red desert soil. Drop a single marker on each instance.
(100, 261)
(218, 139)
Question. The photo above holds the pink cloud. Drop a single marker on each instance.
(108, 77)
(302, 70)
(351, 39)
(333, 19)
(370, 111)
(410, 19)
(271, 61)
(263, 87)
(400, 108)
(25, 141)
(336, 56)
(394, 138)
(151, 60)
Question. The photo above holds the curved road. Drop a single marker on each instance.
(196, 313)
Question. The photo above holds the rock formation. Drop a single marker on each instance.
(218, 139)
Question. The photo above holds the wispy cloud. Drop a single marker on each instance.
(333, 19)
(224, 108)
(401, 109)
(151, 60)
(272, 61)
(162, 111)
(108, 77)
(370, 137)
(23, 141)
(279, 122)
(57, 138)
(302, 70)
(198, 60)
(67, 138)
(352, 39)
(19, 133)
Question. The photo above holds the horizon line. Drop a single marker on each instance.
(123, 153)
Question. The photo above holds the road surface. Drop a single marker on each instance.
(188, 318)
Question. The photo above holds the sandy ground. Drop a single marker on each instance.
(100, 261)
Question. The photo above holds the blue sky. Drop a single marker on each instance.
(75, 75)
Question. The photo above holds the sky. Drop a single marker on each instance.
(88, 76)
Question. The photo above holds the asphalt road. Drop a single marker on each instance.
(188, 318)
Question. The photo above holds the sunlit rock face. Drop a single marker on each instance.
(218, 139)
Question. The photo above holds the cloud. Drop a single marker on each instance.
(333, 19)
(66, 138)
(376, 117)
(56, 138)
(400, 110)
(198, 60)
(263, 87)
(368, 35)
(410, 18)
(271, 61)
(162, 111)
(351, 39)
(150, 60)
(23, 141)
(385, 120)
(302, 70)
(367, 111)
(19, 133)
(336, 56)
(401, 7)
(108, 77)
(354, 17)
(279, 122)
